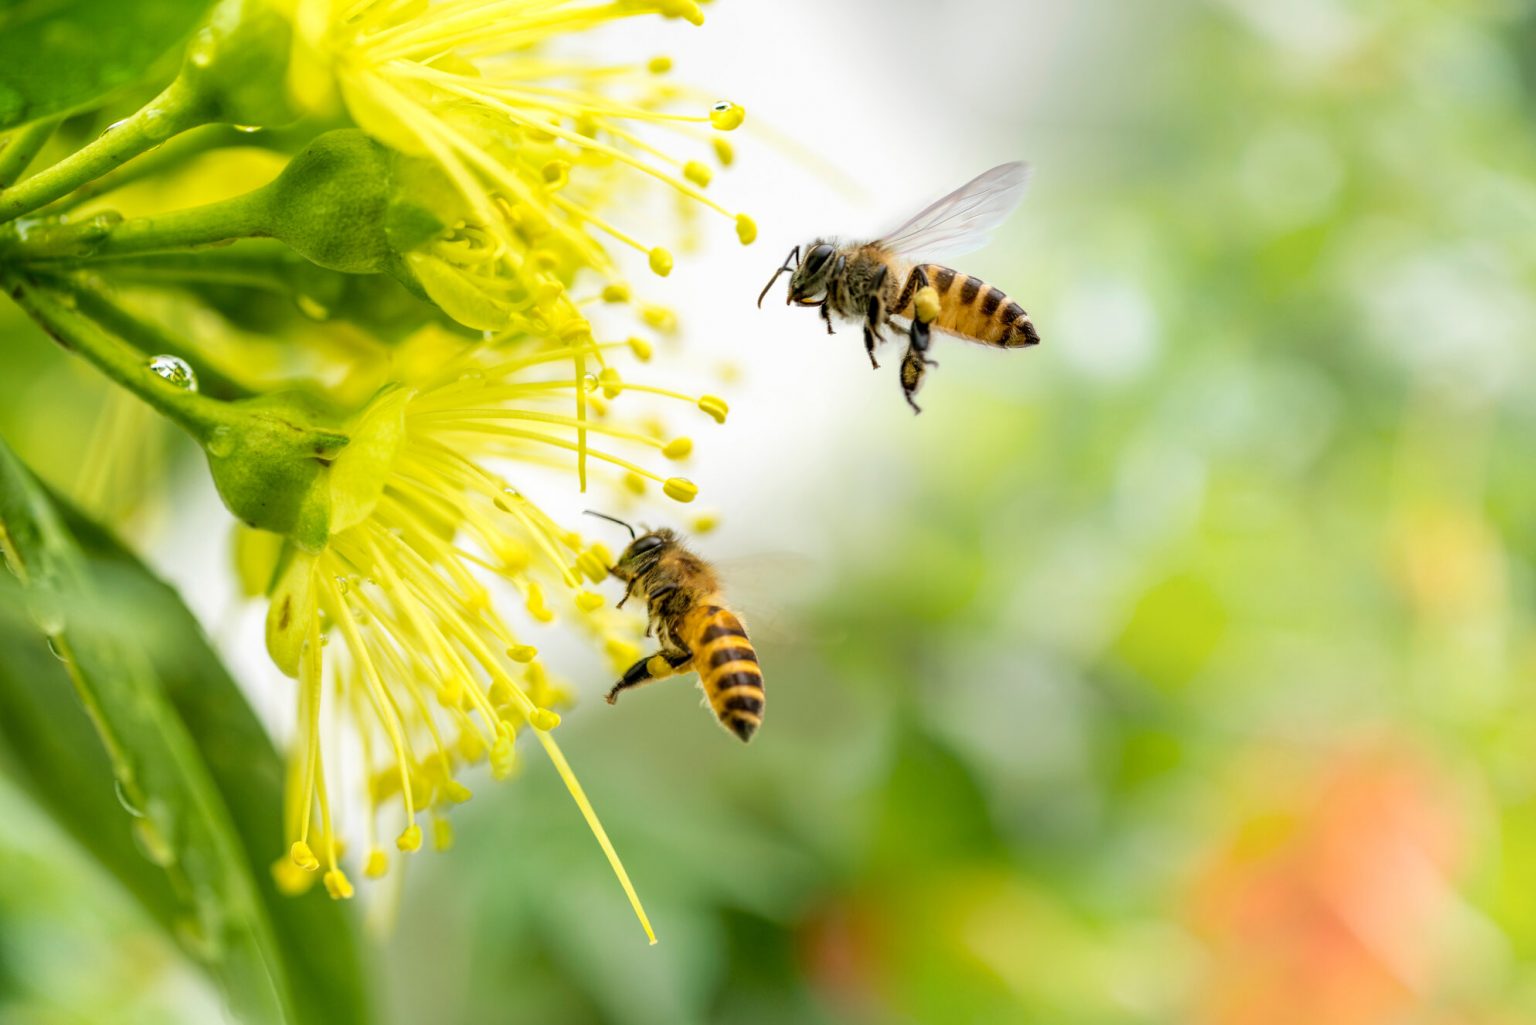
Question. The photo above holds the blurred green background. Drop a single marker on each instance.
(1184, 676)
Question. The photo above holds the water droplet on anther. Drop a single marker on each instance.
(589, 383)
(727, 116)
(175, 370)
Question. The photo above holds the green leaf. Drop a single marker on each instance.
(138, 742)
(62, 55)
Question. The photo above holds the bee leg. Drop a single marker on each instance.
(915, 363)
(874, 316)
(649, 669)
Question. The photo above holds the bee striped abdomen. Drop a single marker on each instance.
(728, 668)
(971, 308)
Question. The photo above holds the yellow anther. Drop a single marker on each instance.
(659, 317)
(641, 348)
(410, 840)
(471, 746)
(557, 173)
(594, 562)
(547, 291)
(535, 604)
(616, 292)
(926, 303)
(698, 173)
(659, 65)
(661, 261)
(677, 448)
(544, 719)
(611, 382)
(715, 406)
(522, 653)
(503, 757)
(377, 864)
(621, 651)
(680, 490)
(635, 483)
(303, 857)
(746, 229)
(727, 116)
(575, 331)
(291, 880)
(688, 10)
(337, 885)
(706, 522)
(514, 555)
(589, 601)
(724, 152)
(456, 792)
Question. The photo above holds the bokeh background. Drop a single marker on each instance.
(1178, 671)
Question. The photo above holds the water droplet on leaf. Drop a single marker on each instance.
(175, 370)
(124, 800)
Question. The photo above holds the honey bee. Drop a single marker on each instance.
(695, 629)
(888, 281)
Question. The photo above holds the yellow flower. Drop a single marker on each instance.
(392, 627)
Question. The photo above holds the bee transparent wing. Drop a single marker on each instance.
(964, 219)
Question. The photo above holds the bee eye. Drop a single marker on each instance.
(817, 258)
(647, 543)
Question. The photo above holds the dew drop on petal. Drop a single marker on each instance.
(175, 370)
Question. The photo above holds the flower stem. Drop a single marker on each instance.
(23, 145)
(198, 414)
(105, 236)
(178, 108)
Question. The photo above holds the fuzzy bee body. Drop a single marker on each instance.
(879, 282)
(696, 629)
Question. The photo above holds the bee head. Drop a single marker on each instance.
(809, 277)
(643, 552)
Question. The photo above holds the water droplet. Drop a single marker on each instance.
(248, 129)
(175, 370)
(221, 442)
(152, 843)
(53, 646)
(589, 383)
(508, 495)
(342, 585)
(124, 800)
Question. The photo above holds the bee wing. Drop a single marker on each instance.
(964, 219)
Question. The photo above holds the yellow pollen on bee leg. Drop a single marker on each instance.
(926, 304)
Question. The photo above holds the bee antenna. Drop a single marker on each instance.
(611, 519)
(794, 254)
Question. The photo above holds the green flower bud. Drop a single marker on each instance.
(331, 202)
(271, 465)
